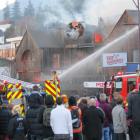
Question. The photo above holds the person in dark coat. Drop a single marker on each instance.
(134, 114)
(5, 116)
(92, 121)
(34, 117)
(17, 128)
(36, 90)
(48, 133)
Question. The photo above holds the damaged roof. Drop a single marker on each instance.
(48, 38)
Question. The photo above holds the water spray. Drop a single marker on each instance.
(96, 54)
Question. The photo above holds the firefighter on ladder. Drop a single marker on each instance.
(55, 80)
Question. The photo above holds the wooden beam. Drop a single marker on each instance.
(136, 4)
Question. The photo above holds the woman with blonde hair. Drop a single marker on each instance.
(17, 128)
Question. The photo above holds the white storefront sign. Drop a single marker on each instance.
(95, 84)
(114, 59)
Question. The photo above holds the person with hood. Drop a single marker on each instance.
(36, 90)
(34, 117)
(17, 128)
(49, 102)
(5, 116)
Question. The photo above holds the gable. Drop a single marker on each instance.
(128, 20)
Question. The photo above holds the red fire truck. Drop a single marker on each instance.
(123, 83)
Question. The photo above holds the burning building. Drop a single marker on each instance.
(41, 52)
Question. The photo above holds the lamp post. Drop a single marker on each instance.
(137, 4)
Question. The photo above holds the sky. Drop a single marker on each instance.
(108, 9)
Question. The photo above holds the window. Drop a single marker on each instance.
(131, 84)
(118, 84)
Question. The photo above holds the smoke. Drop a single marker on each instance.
(65, 10)
(86, 10)
(74, 7)
(3, 3)
(82, 10)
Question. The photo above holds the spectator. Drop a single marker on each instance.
(65, 100)
(49, 102)
(34, 117)
(61, 122)
(36, 90)
(5, 116)
(113, 103)
(17, 128)
(129, 119)
(134, 113)
(119, 120)
(107, 110)
(76, 118)
(114, 99)
(97, 102)
(92, 121)
(83, 105)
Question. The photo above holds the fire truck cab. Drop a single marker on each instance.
(125, 84)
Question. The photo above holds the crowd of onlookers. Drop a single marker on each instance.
(69, 118)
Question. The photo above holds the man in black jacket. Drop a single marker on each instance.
(93, 121)
(5, 116)
(34, 117)
(18, 127)
(134, 113)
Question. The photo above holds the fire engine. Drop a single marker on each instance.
(123, 83)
